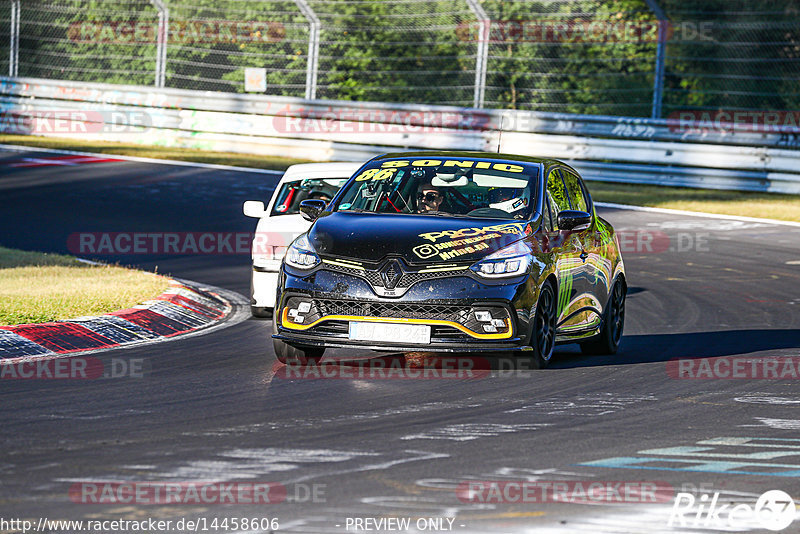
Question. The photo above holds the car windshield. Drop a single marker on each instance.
(472, 188)
(292, 193)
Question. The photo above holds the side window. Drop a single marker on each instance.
(576, 192)
(557, 192)
(548, 219)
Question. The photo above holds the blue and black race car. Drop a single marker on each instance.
(454, 252)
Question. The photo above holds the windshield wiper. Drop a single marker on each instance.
(445, 214)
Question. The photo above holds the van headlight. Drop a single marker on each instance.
(301, 254)
(513, 260)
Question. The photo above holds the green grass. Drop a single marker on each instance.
(765, 205)
(36, 287)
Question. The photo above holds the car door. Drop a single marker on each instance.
(567, 249)
(593, 274)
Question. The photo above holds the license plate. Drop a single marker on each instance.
(415, 334)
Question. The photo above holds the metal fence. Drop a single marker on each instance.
(636, 58)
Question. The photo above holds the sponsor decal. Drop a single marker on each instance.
(465, 240)
(425, 251)
(467, 164)
(506, 228)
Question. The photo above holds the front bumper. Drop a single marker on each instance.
(401, 347)
(263, 288)
(316, 310)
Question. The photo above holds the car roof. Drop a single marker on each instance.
(335, 169)
(427, 154)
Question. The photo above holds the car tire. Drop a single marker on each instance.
(613, 324)
(261, 312)
(287, 354)
(543, 338)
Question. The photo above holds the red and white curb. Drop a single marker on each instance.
(183, 309)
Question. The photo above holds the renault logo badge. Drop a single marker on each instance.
(391, 274)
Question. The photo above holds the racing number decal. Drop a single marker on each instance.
(375, 174)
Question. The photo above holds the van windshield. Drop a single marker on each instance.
(291, 194)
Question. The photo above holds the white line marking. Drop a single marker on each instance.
(472, 431)
(21, 148)
(693, 213)
(420, 456)
(767, 399)
(780, 424)
(90, 262)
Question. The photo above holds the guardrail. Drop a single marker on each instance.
(607, 148)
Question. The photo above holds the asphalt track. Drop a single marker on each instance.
(213, 408)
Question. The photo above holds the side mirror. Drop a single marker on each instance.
(254, 208)
(312, 208)
(574, 220)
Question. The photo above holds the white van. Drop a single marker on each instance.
(280, 223)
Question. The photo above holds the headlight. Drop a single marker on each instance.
(513, 260)
(301, 254)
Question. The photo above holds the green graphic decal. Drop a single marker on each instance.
(564, 293)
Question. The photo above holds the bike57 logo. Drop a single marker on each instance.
(774, 510)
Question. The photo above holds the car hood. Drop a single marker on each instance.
(416, 238)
